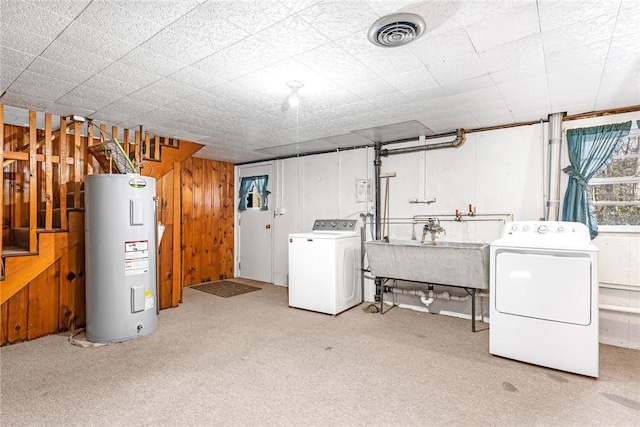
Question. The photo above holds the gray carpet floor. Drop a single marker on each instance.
(251, 360)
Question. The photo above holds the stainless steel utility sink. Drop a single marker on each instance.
(463, 264)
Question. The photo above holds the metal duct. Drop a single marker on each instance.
(555, 143)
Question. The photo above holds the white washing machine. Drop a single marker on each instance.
(324, 267)
(544, 296)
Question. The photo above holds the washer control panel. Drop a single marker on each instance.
(335, 225)
(546, 229)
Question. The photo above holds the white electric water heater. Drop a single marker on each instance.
(120, 248)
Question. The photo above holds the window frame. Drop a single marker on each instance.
(626, 228)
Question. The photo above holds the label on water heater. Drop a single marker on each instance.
(136, 258)
(148, 299)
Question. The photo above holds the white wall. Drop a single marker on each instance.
(498, 172)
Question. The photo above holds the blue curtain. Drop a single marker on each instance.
(261, 187)
(590, 151)
(245, 186)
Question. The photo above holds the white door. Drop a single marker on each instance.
(254, 228)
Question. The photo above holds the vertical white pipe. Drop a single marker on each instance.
(555, 143)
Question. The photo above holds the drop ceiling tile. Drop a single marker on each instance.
(524, 71)
(413, 80)
(518, 23)
(515, 54)
(15, 58)
(88, 98)
(145, 60)
(66, 110)
(430, 93)
(590, 56)
(530, 90)
(128, 108)
(252, 16)
(194, 78)
(102, 82)
(383, 61)
(559, 14)
(493, 116)
(372, 88)
(55, 69)
(278, 37)
(25, 101)
(38, 85)
(469, 85)
(337, 65)
(483, 10)
(531, 115)
(386, 7)
(96, 42)
(617, 92)
(18, 39)
(240, 59)
(162, 12)
(205, 26)
(7, 75)
(441, 16)
(579, 34)
(389, 100)
(172, 45)
(336, 19)
(457, 69)
(153, 97)
(74, 57)
(23, 14)
(110, 18)
(67, 8)
(172, 88)
(130, 75)
(487, 97)
(628, 19)
(442, 46)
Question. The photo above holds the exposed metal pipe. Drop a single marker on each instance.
(377, 163)
(555, 143)
(457, 142)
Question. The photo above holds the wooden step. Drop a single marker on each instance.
(20, 237)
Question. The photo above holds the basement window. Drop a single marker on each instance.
(616, 190)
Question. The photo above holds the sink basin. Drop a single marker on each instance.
(462, 264)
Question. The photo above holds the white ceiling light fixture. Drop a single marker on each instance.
(293, 100)
(396, 29)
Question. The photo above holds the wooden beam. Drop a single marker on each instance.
(125, 142)
(1, 162)
(33, 183)
(176, 293)
(88, 167)
(156, 152)
(77, 172)
(137, 149)
(48, 170)
(147, 146)
(16, 155)
(63, 174)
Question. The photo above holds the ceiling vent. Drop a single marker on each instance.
(396, 30)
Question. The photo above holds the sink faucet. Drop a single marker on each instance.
(432, 226)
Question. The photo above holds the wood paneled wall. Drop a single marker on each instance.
(207, 220)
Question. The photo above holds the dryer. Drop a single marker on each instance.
(324, 267)
(544, 296)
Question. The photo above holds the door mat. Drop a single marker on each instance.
(225, 288)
